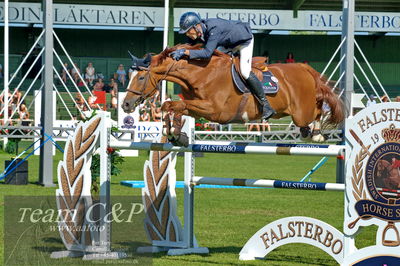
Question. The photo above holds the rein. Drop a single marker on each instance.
(140, 93)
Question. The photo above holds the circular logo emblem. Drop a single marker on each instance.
(128, 122)
(382, 173)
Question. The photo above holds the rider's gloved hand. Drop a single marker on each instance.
(178, 54)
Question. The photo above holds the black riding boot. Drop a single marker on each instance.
(256, 88)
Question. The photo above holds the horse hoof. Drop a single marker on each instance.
(172, 140)
(181, 140)
(305, 132)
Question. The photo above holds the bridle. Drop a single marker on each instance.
(143, 97)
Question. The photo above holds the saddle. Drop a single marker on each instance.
(260, 69)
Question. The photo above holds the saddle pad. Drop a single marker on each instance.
(269, 82)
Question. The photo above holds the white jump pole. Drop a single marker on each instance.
(244, 148)
(6, 67)
(165, 44)
(265, 183)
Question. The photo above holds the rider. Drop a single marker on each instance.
(234, 36)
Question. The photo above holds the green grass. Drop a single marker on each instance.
(226, 218)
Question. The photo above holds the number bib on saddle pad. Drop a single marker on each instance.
(269, 82)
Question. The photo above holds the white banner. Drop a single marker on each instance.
(135, 16)
(306, 20)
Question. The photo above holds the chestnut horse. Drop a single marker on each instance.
(209, 91)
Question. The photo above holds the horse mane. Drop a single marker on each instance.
(159, 59)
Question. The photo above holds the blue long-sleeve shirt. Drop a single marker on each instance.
(221, 32)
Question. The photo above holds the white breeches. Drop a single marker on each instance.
(246, 55)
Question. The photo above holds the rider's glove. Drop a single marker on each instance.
(178, 54)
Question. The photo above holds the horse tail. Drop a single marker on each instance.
(326, 95)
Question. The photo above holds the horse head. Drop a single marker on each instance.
(142, 84)
(382, 168)
(149, 72)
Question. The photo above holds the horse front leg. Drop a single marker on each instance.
(176, 109)
(166, 131)
(195, 108)
(172, 126)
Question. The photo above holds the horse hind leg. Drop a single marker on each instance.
(305, 131)
(303, 121)
(314, 135)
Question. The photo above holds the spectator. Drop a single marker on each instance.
(91, 101)
(63, 72)
(145, 106)
(397, 99)
(156, 114)
(79, 101)
(99, 85)
(75, 71)
(100, 76)
(290, 58)
(90, 73)
(2, 99)
(155, 109)
(114, 102)
(384, 99)
(265, 126)
(111, 87)
(371, 100)
(121, 74)
(155, 100)
(144, 115)
(1, 71)
(16, 98)
(9, 121)
(253, 125)
(23, 112)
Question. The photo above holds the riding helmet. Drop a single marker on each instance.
(188, 20)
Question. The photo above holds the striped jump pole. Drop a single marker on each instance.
(198, 180)
(244, 148)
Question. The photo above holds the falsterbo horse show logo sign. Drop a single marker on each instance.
(373, 182)
(372, 197)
